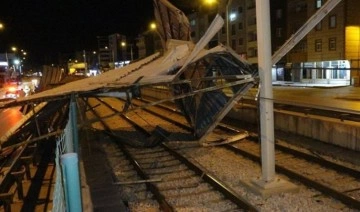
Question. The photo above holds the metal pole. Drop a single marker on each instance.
(266, 92)
(85, 63)
(131, 52)
(228, 22)
(70, 168)
(73, 121)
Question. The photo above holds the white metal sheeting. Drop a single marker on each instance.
(151, 70)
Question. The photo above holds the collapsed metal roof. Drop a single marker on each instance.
(197, 77)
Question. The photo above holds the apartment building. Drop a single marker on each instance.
(329, 54)
(112, 51)
(241, 25)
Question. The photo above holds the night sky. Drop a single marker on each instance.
(47, 28)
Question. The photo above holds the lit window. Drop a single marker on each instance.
(332, 44)
(193, 22)
(332, 21)
(318, 45)
(318, 3)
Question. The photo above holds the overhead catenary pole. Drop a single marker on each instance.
(131, 52)
(265, 61)
(85, 63)
(228, 3)
(266, 92)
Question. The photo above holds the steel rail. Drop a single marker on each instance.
(213, 181)
(306, 181)
(323, 188)
(210, 179)
(328, 164)
(164, 205)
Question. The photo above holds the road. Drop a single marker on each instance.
(8, 118)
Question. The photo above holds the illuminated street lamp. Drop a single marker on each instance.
(17, 62)
(153, 32)
(209, 2)
(1, 26)
(228, 16)
(123, 44)
(228, 3)
(152, 26)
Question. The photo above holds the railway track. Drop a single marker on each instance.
(174, 181)
(332, 179)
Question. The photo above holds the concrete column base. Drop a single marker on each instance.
(266, 189)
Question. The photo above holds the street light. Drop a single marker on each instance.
(1, 26)
(210, 2)
(123, 44)
(152, 26)
(228, 3)
(15, 61)
(152, 32)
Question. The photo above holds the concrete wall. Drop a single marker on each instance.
(335, 131)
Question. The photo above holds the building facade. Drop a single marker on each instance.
(329, 54)
(112, 51)
(9, 68)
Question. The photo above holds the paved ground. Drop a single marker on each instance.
(343, 97)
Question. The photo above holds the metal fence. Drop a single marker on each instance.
(59, 204)
(67, 192)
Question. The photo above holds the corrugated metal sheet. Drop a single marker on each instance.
(171, 22)
(196, 75)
